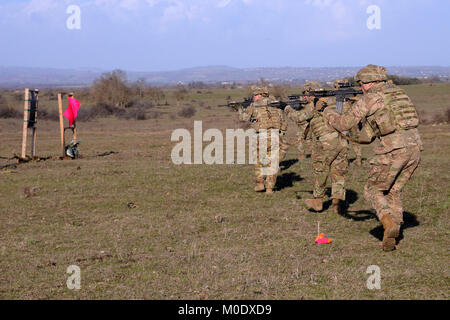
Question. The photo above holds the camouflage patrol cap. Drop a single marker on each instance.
(371, 73)
(337, 82)
(311, 86)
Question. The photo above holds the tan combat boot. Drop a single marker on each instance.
(269, 191)
(358, 162)
(260, 187)
(391, 231)
(315, 204)
(336, 206)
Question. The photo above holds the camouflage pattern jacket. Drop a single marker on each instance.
(373, 105)
(263, 116)
(320, 130)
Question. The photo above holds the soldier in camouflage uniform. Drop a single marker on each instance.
(392, 118)
(353, 133)
(265, 118)
(284, 145)
(303, 134)
(329, 151)
(304, 146)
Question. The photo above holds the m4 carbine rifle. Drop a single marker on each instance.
(342, 94)
(295, 102)
(236, 104)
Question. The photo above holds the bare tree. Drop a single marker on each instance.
(180, 93)
(156, 94)
(197, 85)
(279, 92)
(111, 88)
(263, 82)
(139, 87)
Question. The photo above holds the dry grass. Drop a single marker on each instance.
(187, 112)
(170, 244)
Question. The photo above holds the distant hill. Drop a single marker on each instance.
(38, 77)
(41, 77)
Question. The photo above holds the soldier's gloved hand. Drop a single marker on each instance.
(320, 104)
(288, 109)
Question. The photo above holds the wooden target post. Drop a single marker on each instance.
(63, 129)
(31, 104)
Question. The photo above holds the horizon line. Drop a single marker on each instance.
(214, 66)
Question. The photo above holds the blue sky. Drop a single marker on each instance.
(156, 35)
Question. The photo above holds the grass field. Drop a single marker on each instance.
(139, 226)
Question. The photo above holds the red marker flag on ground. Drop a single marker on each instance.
(321, 239)
(72, 110)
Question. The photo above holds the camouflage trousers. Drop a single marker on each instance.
(356, 149)
(284, 146)
(266, 166)
(303, 146)
(330, 160)
(388, 175)
(303, 143)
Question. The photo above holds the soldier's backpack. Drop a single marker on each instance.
(399, 112)
(267, 117)
(404, 112)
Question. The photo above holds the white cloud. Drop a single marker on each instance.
(130, 4)
(39, 6)
(223, 3)
(175, 11)
(152, 3)
(188, 9)
(341, 11)
(320, 3)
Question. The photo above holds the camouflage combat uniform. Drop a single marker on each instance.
(263, 119)
(303, 137)
(392, 118)
(284, 145)
(353, 133)
(356, 148)
(329, 151)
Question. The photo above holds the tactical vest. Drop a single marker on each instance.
(267, 117)
(398, 113)
(318, 126)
